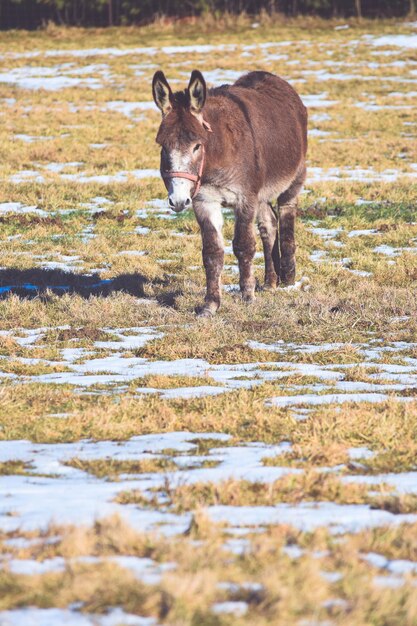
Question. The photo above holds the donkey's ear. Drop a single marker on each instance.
(162, 93)
(197, 90)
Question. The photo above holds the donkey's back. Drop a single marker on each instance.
(273, 130)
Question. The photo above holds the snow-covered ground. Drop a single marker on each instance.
(50, 490)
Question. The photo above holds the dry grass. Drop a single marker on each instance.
(309, 487)
(111, 469)
(288, 588)
(160, 287)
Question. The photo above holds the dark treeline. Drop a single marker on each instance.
(32, 14)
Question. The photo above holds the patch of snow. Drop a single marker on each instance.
(32, 616)
(120, 368)
(320, 117)
(89, 498)
(18, 207)
(361, 202)
(132, 253)
(403, 94)
(142, 230)
(20, 543)
(387, 250)
(359, 272)
(331, 577)
(107, 179)
(31, 138)
(326, 233)
(359, 453)
(398, 567)
(391, 582)
(130, 338)
(237, 545)
(281, 346)
(49, 78)
(307, 516)
(159, 208)
(402, 41)
(405, 482)
(187, 392)
(238, 609)
(317, 174)
(144, 569)
(68, 264)
(30, 567)
(25, 176)
(59, 167)
(337, 398)
(96, 204)
(104, 179)
(220, 76)
(293, 551)
(300, 285)
(317, 100)
(363, 233)
(236, 587)
(370, 106)
(121, 52)
(318, 256)
(314, 132)
(129, 108)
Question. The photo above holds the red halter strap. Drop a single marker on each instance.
(195, 178)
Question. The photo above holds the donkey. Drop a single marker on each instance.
(239, 146)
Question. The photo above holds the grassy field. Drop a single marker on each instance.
(156, 468)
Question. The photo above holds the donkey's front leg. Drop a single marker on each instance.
(244, 246)
(210, 219)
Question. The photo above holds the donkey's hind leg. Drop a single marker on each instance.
(287, 213)
(288, 203)
(244, 246)
(268, 230)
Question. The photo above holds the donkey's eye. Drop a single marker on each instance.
(197, 147)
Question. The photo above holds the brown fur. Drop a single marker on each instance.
(255, 153)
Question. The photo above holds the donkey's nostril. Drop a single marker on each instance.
(171, 203)
(188, 202)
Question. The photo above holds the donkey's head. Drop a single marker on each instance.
(182, 136)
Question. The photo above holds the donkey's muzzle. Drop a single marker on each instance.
(179, 206)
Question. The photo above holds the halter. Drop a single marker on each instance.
(195, 178)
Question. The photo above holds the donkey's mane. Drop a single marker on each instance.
(180, 125)
(181, 99)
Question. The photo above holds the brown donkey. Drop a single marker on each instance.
(236, 145)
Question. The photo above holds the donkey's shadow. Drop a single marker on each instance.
(37, 282)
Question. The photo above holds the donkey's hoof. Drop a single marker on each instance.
(248, 296)
(287, 278)
(288, 282)
(206, 310)
(287, 273)
(204, 313)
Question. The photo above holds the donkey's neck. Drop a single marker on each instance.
(222, 143)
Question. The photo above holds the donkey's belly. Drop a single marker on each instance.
(275, 188)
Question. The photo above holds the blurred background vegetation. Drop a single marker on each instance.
(31, 14)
